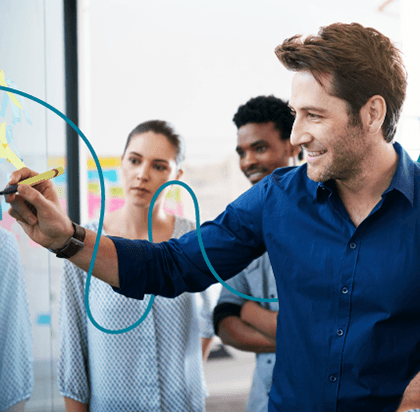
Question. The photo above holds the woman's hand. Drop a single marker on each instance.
(39, 211)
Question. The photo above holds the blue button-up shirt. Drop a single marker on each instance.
(348, 331)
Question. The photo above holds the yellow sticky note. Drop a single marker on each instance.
(11, 95)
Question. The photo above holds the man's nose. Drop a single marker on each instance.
(248, 160)
(299, 135)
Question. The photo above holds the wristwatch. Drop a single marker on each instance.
(73, 245)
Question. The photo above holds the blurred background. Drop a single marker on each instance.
(112, 64)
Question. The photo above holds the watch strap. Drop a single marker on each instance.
(73, 245)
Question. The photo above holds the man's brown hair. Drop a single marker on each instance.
(362, 61)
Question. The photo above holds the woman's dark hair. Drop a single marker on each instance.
(362, 61)
(161, 127)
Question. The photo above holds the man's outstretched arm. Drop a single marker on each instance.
(106, 263)
(139, 267)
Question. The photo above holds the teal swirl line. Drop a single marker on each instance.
(200, 239)
(101, 219)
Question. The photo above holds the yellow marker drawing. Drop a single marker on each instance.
(11, 95)
(42, 177)
(6, 151)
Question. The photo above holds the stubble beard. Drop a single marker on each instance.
(348, 153)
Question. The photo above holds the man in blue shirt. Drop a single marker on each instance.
(342, 233)
(264, 126)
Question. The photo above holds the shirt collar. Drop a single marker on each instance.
(403, 179)
(324, 189)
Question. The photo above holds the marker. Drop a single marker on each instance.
(32, 181)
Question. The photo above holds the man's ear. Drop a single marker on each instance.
(373, 113)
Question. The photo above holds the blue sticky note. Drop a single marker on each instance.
(60, 179)
(44, 319)
(110, 175)
(93, 174)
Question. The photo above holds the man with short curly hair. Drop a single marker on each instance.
(264, 125)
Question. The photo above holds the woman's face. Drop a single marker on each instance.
(148, 162)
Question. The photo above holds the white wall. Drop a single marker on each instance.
(193, 62)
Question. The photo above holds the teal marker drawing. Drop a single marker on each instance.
(101, 219)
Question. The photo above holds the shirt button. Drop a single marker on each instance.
(340, 332)
(333, 378)
(268, 360)
(344, 290)
(272, 296)
(352, 245)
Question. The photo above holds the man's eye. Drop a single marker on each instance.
(313, 116)
(160, 167)
(260, 149)
(133, 160)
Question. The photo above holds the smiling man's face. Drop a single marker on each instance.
(336, 148)
(261, 150)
